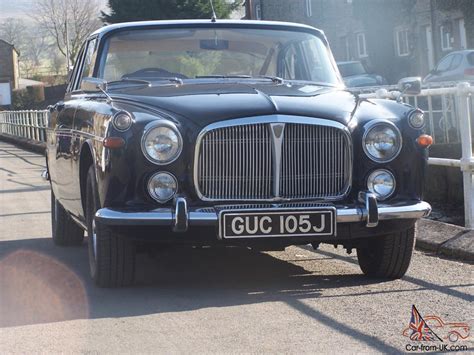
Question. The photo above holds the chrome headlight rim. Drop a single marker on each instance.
(379, 171)
(117, 127)
(150, 180)
(371, 125)
(411, 114)
(162, 123)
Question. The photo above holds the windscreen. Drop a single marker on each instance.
(200, 52)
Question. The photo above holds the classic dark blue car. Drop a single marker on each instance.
(231, 133)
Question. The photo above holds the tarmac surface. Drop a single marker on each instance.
(207, 300)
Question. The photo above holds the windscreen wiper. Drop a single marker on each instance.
(146, 82)
(219, 76)
(274, 79)
(129, 81)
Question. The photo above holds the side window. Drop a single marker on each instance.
(444, 64)
(292, 63)
(89, 59)
(85, 65)
(73, 75)
(457, 59)
(289, 63)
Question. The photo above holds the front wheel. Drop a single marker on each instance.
(387, 256)
(111, 255)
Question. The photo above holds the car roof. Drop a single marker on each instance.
(172, 23)
(464, 51)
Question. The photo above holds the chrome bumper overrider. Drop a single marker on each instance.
(181, 217)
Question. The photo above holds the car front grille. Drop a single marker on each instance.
(273, 161)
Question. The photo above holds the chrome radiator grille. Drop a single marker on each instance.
(314, 162)
(236, 163)
(273, 161)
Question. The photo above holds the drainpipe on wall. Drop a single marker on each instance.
(434, 30)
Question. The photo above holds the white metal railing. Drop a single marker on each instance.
(27, 124)
(457, 109)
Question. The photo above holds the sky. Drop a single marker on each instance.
(20, 8)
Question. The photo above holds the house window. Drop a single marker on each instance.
(309, 8)
(445, 38)
(258, 12)
(402, 43)
(361, 45)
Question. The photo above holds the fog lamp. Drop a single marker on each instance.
(381, 183)
(162, 187)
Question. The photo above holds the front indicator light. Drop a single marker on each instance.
(425, 141)
(113, 142)
(162, 187)
(381, 183)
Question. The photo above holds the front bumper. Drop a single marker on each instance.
(180, 218)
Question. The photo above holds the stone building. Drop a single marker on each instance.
(393, 38)
(9, 70)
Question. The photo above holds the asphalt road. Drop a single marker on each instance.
(203, 300)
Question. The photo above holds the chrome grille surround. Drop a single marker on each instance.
(262, 159)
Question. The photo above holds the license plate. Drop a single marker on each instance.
(259, 224)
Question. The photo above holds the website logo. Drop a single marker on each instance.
(434, 329)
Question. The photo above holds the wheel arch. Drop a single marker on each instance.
(86, 160)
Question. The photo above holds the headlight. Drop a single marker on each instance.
(162, 187)
(162, 143)
(381, 183)
(416, 119)
(382, 141)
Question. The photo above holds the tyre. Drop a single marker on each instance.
(111, 255)
(387, 256)
(65, 231)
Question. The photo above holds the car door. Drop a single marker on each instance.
(60, 157)
(81, 124)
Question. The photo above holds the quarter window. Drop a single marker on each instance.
(402, 43)
(361, 45)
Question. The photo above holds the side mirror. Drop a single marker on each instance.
(89, 84)
(410, 85)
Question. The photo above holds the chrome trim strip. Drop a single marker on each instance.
(277, 131)
(209, 217)
(270, 119)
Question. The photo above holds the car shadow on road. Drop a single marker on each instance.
(42, 283)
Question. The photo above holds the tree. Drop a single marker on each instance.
(467, 8)
(71, 20)
(138, 10)
(12, 30)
